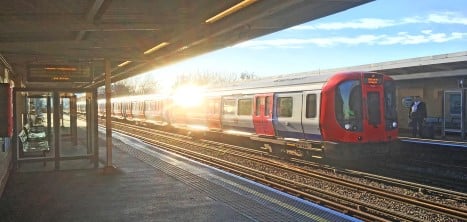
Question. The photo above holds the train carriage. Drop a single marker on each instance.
(155, 110)
(340, 116)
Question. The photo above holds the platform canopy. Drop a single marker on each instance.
(44, 42)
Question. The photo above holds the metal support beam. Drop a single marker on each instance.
(108, 118)
(95, 136)
(56, 126)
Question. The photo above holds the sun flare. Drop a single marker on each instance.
(188, 96)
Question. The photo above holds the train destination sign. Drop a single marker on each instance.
(372, 79)
(59, 73)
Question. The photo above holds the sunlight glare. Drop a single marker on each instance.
(188, 96)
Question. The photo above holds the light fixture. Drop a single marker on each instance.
(124, 63)
(157, 47)
(231, 10)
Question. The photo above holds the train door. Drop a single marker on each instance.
(229, 117)
(138, 113)
(237, 113)
(310, 115)
(373, 105)
(133, 114)
(128, 110)
(288, 115)
(197, 116)
(101, 109)
(245, 114)
(117, 110)
(262, 116)
(213, 113)
(148, 110)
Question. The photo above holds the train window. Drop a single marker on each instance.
(244, 107)
(258, 106)
(267, 105)
(390, 112)
(229, 107)
(285, 106)
(311, 106)
(374, 112)
(348, 105)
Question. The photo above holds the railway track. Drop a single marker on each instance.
(365, 196)
(448, 176)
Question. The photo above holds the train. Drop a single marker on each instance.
(344, 116)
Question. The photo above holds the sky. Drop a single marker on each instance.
(379, 31)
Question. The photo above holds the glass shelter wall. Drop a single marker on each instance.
(52, 133)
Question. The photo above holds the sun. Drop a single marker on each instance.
(188, 96)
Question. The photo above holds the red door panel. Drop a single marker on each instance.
(262, 115)
(373, 111)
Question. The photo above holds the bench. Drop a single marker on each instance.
(35, 132)
(34, 141)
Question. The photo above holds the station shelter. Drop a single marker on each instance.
(52, 127)
(42, 127)
(51, 131)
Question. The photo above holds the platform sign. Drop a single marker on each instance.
(59, 73)
(407, 101)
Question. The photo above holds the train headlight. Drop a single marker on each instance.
(348, 126)
(394, 124)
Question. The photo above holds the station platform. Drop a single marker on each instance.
(149, 185)
(453, 141)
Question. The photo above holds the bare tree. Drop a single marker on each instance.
(147, 84)
(247, 76)
(205, 79)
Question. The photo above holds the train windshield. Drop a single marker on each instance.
(349, 105)
(390, 112)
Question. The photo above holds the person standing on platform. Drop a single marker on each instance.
(417, 115)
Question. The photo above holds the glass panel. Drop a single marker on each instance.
(33, 116)
(258, 106)
(267, 108)
(311, 106)
(452, 113)
(390, 112)
(374, 112)
(285, 106)
(348, 105)
(244, 107)
(229, 107)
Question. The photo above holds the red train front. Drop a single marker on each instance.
(358, 114)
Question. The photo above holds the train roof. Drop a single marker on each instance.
(276, 81)
(291, 81)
